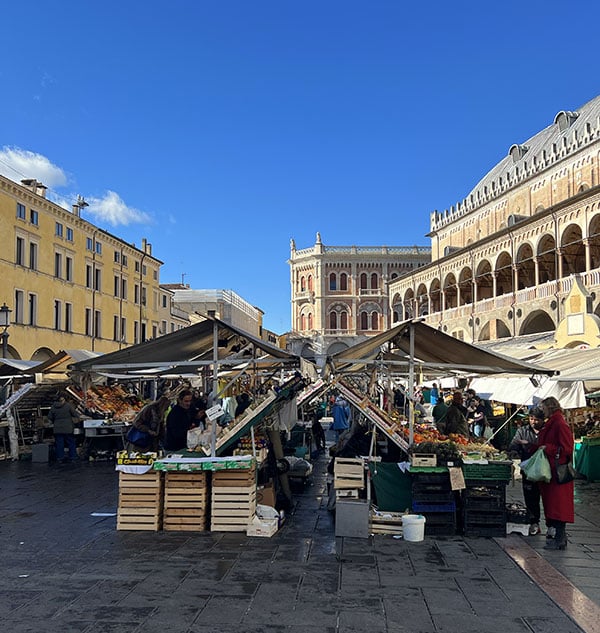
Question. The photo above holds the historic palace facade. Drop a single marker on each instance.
(340, 293)
(505, 259)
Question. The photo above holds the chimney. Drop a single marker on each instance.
(34, 186)
(146, 246)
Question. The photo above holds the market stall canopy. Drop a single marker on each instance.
(10, 367)
(59, 363)
(432, 349)
(186, 348)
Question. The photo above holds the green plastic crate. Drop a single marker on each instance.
(498, 471)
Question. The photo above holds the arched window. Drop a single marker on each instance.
(343, 281)
(310, 283)
(344, 321)
(374, 281)
(302, 283)
(374, 321)
(302, 323)
(333, 320)
(396, 316)
(363, 281)
(364, 321)
(332, 281)
(310, 321)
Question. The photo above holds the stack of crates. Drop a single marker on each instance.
(433, 497)
(484, 498)
(233, 499)
(140, 501)
(185, 501)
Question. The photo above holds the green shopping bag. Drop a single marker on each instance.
(537, 467)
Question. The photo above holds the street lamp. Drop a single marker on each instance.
(5, 323)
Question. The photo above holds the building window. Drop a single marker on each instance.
(144, 296)
(88, 322)
(136, 294)
(117, 286)
(332, 281)
(21, 211)
(302, 284)
(33, 256)
(164, 301)
(58, 265)
(374, 321)
(58, 229)
(98, 324)
(155, 275)
(309, 321)
(68, 317)
(124, 260)
(116, 328)
(124, 289)
(57, 314)
(89, 244)
(34, 217)
(32, 318)
(144, 270)
(343, 281)
(123, 338)
(88, 276)
(69, 234)
(333, 321)
(363, 281)
(69, 268)
(20, 252)
(98, 280)
(99, 248)
(344, 321)
(302, 323)
(163, 327)
(310, 283)
(374, 282)
(136, 332)
(154, 330)
(364, 321)
(19, 301)
(117, 257)
(137, 267)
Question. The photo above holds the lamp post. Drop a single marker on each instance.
(5, 323)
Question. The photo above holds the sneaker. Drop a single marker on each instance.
(534, 529)
(551, 533)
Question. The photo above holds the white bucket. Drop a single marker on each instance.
(413, 527)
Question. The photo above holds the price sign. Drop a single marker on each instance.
(457, 480)
(214, 412)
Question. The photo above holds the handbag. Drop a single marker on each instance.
(564, 472)
(537, 467)
(139, 438)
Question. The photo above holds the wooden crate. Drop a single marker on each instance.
(349, 472)
(140, 501)
(385, 523)
(233, 500)
(185, 501)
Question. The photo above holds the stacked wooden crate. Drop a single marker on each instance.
(186, 501)
(140, 501)
(349, 477)
(233, 499)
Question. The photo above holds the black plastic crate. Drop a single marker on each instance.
(484, 498)
(439, 518)
(437, 479)
(487, 483)
(484, 517)
(433, 497)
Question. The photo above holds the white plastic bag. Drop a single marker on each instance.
(197, 437)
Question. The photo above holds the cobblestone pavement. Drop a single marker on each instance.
(64, 567)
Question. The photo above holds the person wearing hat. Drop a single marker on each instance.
(524, 444)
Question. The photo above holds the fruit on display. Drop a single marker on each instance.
(113, 401)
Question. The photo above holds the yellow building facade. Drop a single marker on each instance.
(68, 283)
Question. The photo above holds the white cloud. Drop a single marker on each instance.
(18, 163)
(112, 209)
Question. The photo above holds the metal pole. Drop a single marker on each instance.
(215, 388)
(411, 383)
(5, 336)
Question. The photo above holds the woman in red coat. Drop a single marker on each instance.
(557, 498)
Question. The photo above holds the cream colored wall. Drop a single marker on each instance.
(24, 339)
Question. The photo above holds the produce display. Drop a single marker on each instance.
(113, 401)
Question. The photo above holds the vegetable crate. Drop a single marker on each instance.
(185, 501)
(140, 501)
(385, 522)
(233, 500)
(484, 497)
(349, 473)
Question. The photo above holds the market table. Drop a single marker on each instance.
(587, 458)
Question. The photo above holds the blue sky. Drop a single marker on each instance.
(219, 130)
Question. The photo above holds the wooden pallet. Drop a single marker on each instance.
(349, 472)
(385, 523)
(186, 501)
(140, 501)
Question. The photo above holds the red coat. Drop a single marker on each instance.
(557, 498)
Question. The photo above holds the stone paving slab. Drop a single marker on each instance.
(63, 570)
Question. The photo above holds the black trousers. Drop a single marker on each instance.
(532, 497)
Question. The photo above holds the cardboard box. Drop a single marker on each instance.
(260, 527)
(266, 494)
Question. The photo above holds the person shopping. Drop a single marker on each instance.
(524, 444)
(558, 499)
(143, 435)
(63, 416)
